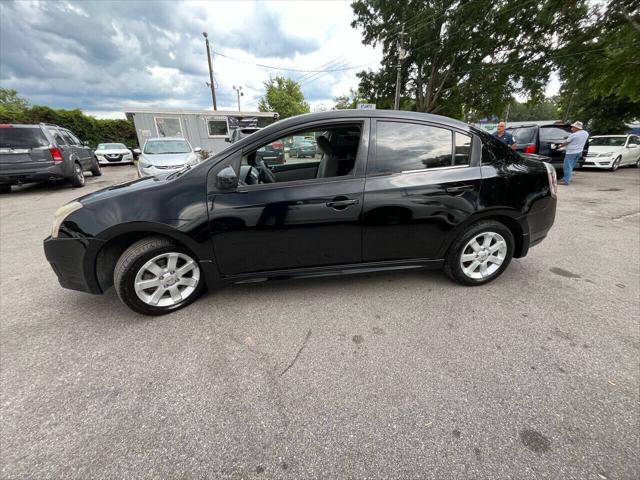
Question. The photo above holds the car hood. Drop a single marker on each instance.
(113, 151)
(602, 148)
(137, 185)
(168, 158)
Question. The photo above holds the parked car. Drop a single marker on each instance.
(544, 139)
(302, 149)
(41, 153)
(240, 133)
(613, 151)
(109, 153)
(165, 155)
(401, 197)
(272, 154)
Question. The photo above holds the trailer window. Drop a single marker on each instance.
(168, 127)
(217, 127)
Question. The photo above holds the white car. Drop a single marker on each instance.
(613, 151)
(110, 153)
(166, 155)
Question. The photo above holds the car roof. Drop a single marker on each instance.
(165, 139)
(619, 135)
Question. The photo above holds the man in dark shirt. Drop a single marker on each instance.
(504, 136)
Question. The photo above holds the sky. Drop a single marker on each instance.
(104, 56)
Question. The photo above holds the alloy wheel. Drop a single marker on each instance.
(167, 279)
(483, 255)
(79, 174)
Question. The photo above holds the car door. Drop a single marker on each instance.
(85, 154)
(303, 223)
(422, 181)
(630, 152)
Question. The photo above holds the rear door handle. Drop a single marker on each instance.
(340, 204)
(459, 188)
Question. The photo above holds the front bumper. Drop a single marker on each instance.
(67, 259)
(154, 171)
(102, 160)
(598, 162)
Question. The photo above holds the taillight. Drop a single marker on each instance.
(6, 125)
(530, 148)
(56, 154)
(553, 179)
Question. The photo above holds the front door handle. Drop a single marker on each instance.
(341, 203)
(458, 188)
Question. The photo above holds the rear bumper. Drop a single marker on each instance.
(536, 225)
(67, 259)
(15, 175)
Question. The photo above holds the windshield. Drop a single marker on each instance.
(160, 147)
(22, 138)
(111, 146)
(607, 141)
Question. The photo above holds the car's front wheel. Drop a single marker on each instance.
(615, 164)
(77, 179)
(155, 276)
(480, 254)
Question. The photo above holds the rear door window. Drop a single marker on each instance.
(67, 137)
(522, 135)
(31, 137)
(403, 147)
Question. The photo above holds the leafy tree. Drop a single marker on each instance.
(15, 109)
(351, 100)
(463, 58)
(284, 96)
(546, 109)
(602, 86)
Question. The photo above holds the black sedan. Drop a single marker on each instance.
(388, 190)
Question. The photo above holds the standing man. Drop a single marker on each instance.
(504, 136)
(574, 145)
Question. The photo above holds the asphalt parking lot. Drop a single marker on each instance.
(394, 375)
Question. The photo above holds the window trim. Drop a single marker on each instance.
(373, 158)
(155, 122)
(212, 118)
(361, 157)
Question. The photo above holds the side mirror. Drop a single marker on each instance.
(226, 179)
(197, 149)
(86, 144)
(227, 139)
(137, 151)
(632, 145)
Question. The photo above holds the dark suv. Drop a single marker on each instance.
(387, 190)
(543, 139)
(43, 152)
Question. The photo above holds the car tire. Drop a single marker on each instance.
(615, 164)
(133, 268)
(5, 188)
(637, 164)
(95, 168)
(492, 258)
(77, 180)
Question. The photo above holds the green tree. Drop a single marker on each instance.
(351, 100)
(600, 68)
(15, 109)
(545, 109)
(283, 96)
(462, 58)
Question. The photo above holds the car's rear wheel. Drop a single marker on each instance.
(95, 168)
(615, 164)
(5, 188)
(77, 179)
(480, 254)
(155, 276)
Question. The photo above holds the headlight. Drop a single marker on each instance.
(608, 154)
(62, 213)
(143, 164)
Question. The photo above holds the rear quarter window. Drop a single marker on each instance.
(22, 138)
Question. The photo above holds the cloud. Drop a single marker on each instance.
(102, 56)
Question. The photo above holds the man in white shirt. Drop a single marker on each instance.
(574, 145)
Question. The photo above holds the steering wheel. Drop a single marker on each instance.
(265, 173)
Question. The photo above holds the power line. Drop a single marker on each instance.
(285, 69)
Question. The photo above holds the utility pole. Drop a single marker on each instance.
(401, 56)
(239, 93)
(213, 88)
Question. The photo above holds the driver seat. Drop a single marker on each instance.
(329, 163)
